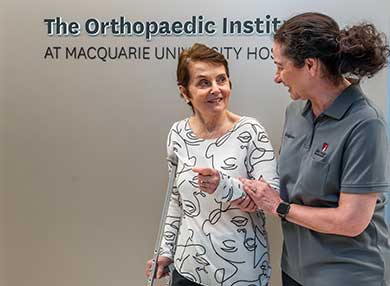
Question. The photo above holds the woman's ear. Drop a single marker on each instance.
(312, 66)
(184, 93)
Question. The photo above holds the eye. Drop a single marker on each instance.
(221, 79)
(203, 83)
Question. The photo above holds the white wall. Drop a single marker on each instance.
(2, 149)
(84, 141)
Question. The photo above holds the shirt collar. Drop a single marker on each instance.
(341, 104)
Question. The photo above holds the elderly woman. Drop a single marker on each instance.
(334, 168)
(210, 241)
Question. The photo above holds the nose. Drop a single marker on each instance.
(277, 78)
(214, 88)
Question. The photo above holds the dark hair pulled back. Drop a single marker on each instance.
(356, 51)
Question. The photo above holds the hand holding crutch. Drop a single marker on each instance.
(163, 262)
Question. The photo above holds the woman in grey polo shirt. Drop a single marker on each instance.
(334, 158)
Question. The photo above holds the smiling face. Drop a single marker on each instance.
(208, 89)
(294, 78)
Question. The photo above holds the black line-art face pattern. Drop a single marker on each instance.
(244, 139)
(192, 256)
(218, 244)
(229, 248)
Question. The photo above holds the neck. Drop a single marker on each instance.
(212, 127)
(324, 95)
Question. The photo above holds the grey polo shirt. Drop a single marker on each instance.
(345, 149)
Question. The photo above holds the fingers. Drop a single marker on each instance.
(207, 175)
(207, 186)
(252, 207)
(248, 188)
(253, 186)
(264, 196)
(204, 171)
(148, 267)
(208, 179)
(246, 204)
(160, 271)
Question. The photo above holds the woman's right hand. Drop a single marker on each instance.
(162, 263)
(208, 179)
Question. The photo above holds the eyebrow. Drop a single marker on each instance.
(206, 76)
(277, 63)
(201, 76)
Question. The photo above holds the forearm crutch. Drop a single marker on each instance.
(173, 161)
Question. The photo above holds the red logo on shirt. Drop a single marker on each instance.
(325, 147)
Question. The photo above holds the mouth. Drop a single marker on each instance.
(215, 100)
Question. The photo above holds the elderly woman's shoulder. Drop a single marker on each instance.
(178, 127)
(183, 123)
(250, 123)
(245, 120)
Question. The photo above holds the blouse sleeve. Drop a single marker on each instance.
(229, 189)
(260, 163)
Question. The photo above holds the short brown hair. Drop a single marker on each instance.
(197, 53)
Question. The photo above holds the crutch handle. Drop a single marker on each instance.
(172, 158)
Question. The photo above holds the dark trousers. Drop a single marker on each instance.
(178, 280)
(288, 281)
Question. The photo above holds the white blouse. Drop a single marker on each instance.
(211, 242)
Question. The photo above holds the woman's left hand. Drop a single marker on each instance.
(208, 179)
(245, 204)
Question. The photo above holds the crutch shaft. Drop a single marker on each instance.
(174, 161)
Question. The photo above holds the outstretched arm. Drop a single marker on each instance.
(349, 218)
(230, 189)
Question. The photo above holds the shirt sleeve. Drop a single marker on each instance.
(229, 189)
(365, 166)
(174, 214)
(261, 161)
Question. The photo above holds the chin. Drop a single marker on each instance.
(219, 106)
(294, 96)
